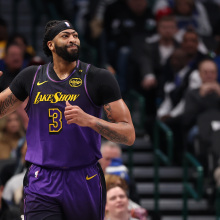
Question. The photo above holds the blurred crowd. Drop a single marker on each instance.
(166, 50)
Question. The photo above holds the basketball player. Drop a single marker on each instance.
(64, 180)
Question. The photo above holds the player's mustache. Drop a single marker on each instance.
(70, 45)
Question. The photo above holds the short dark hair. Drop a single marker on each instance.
(17, 35)
(10, 44)
(47, 29)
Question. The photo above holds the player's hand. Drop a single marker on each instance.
(74, 114)
(1, 73)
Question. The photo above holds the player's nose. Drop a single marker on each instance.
(72, 39)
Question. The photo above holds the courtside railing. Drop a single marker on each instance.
(136, 104)
(160, 156)
(196, 192)
(217, 204)
(135, 100)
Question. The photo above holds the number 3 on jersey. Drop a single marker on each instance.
(56, 116)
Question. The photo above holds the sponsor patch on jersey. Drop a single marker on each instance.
(75, 82)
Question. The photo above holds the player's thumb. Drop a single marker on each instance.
(67, 103)
(1, 73)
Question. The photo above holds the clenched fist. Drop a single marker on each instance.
(74, 114)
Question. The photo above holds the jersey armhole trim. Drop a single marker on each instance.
(28, 104)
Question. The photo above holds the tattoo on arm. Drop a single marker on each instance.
(110, 134)
(9, 101)
(108, 112)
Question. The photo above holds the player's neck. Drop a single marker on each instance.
(63, 68)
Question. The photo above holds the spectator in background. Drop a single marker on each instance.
(111, 162)
(146, 63)
(168, 111)
(135, 209)
(3, 36)
(117, 205)
(201, 126)
(15, 183)
(201, 108)
(124, 20)
(193, 56)
(81, 13)
(109, 151)
(148, 59)
(17, 56)
(172, 108)
(187, 12)
(21, 150)
(11, 131)
(192, 13)
(28, 50)
(11, 64)
(116, 167)
(158, 51)
(7, 212)
(174, 72)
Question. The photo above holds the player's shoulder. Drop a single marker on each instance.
(94, 70)
(98, 70)
(34, 68)
(29, 70)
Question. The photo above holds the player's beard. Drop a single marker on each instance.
(71, 56)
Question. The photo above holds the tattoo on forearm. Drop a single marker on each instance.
(108, 112)
(9, 101)
(110, 134)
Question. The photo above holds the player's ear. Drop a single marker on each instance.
(50, 45)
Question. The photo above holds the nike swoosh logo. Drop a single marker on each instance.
(40, 83)
(89, 178)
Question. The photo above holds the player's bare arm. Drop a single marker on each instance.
(8, 102)
(119, 129)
